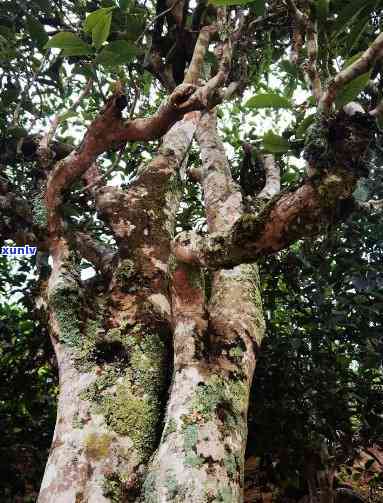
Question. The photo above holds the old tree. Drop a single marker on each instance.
(112, 115)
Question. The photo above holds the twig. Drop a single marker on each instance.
(107, 172)
(43, 149)
(137, 92)
(99, 84)
(156, 19)
(303, 27)
(25, 92)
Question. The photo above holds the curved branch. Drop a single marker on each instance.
(194, 71)
(360, 66)
(44, 151)
(289, 217)
(109, 130)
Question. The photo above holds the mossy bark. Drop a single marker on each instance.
(112, 340)
(201, 453)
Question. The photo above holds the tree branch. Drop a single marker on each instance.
(310, 66)
(321, 200)
(195, 67)
(289, 217)
(371, 205)
(43, 150)
(106, 131)
(360, 66)
(377, 111)
(11, 149)
(304, 26)
(273, 178)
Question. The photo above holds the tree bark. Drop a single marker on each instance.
(201, 453)
(113, 343)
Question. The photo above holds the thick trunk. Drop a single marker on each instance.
(112, 343)
(201, 453)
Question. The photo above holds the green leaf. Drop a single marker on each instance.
(118, 53)
(260, 7)
(352, 90)
(135, 26)
(124, 4)
(302, 128)
(44, 4)
(17, 132)
(100, 32)
(350, 13)
(259, 4)
(70, 43)
(356, 32)
(37, 32)
(274, 143)
(270, 100)
(289, 68)
(67, 115)
(322, 9)
(95, 17)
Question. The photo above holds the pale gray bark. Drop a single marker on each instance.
(201, 454)
(113, 356)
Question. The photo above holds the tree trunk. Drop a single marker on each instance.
(201, 453)
(112, 339)
(113, 346)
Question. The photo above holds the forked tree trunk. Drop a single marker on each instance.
(112, 339)
(201, 453)
(113, 346)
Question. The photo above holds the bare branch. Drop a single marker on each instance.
(194, 71)
(222, 197)
(96, 182)
(298, 14)
(292, 216)
(43, 151)
(303, 27)
(376, 112)
(108, 130)
(273, 178)
(12, 149)
(310, 66)
(371, 205)
(210, 95)
(156, 18)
